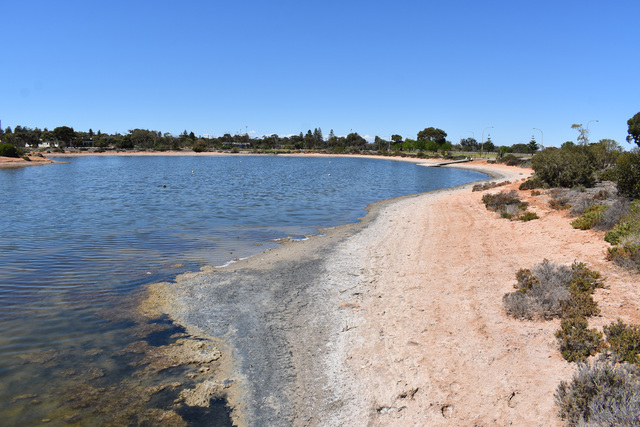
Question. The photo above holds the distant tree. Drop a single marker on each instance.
(583, 138)
(65, 134)
(433, 134)
(192, 136)
(396, 138)
(634, 129)
(533, 145)
(606, 152)
(567, 144)
(520, 148)
(468, 144)
(317, 135)
(488, 145)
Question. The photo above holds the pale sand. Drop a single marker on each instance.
(399, 322)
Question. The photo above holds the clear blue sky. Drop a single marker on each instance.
(374, 67)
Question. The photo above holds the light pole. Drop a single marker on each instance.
(541, 138)
(482, 144)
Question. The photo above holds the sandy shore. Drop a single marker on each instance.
(397, 320)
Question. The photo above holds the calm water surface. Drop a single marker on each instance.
(79, 240)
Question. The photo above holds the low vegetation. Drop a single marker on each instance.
(508, 205)
(551, 290)
(601, 394)
(9, 150)
(591, 216)
(625, 238)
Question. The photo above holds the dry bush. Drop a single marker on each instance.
(602, 394)
(552, 290)
(540, 292)
(614, 214)
(489, 185)
(580, 204)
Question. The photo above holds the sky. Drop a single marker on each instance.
(472, 68)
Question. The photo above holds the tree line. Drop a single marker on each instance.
(430, 139)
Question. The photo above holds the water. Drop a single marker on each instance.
(79, 240)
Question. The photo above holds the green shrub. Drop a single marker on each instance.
(627, 174)
(626, 254)
(9, 150)
(591, 216)
(622, 229)
(623, 341)
(579, 305)
(528, 216)
(576, 341)
(26, 158)
(566, 167)
(532, 183)
(602, 394)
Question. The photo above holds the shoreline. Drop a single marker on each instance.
(276, 297)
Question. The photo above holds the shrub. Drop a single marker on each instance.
(614, 214)
(576, 341)
(601, 394)
(580, 203)
(9, 150)
(620, 231)
(623, 341)
(628, 174)
(579, 305)
(553, 290)
(627, 253)
(532, 183)
(559, 199)
(26, 158)
(540, 292)
(498, 202)
(510, 160)
(566, 167)
(528, 216)
(488, 185)
(591, 216)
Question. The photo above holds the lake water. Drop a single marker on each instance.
(79, 240)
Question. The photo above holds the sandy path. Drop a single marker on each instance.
(431, 343)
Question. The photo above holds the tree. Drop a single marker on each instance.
(634, 129)
(533, 145)
(433, 134)
(583, 138)
(396, 138)
(64, 134)
(488, 145)
(628, 174)
(469, 144)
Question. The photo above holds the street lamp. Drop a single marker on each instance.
(541, 138)
(482, 144)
